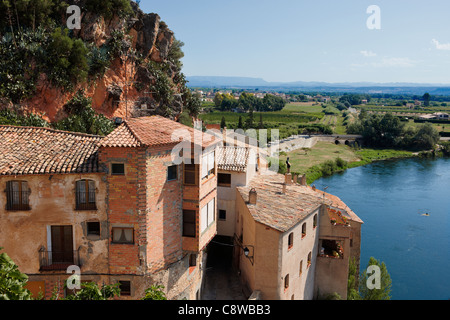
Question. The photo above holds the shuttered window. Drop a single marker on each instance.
(17, 195)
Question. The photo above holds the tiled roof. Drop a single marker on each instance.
(154, 131)
(30, 150)
(283, 211)
(275, 209)
(233, 158)
(337, 203)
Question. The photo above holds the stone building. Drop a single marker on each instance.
(294, 242)
(118, 207)
(141, 205)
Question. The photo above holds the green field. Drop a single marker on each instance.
(302, 160)
(311, 161)
(291, 120)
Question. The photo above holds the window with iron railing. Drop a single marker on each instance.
(85, 195)
(17, 196)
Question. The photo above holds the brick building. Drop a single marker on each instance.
(121, 207)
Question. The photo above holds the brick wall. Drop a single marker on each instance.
(125, 202)
(164, 210)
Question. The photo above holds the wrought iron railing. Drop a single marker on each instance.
(58, 260)
(85, 200)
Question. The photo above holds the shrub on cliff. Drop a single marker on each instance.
(108, 8)
(82, 118)
(68, 61)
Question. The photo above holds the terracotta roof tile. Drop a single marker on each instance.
(275, 209)
(154, 131)
(232, 158)
(283, 211)
(30, 150)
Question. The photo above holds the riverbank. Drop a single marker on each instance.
(327, 158)
(366, 156)
(391, 197)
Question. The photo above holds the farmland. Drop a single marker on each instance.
(295, 118)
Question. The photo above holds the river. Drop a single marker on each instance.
(391, 197)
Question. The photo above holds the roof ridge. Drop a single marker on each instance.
(54, 130)
(135, 135)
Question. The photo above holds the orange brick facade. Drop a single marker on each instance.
(140, 215)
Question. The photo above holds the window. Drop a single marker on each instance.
(172, 173)
(189, 221)
(125, 288)
(304, 230)
(301, 267)
(290, 240)
(286, 281)
(309, 259)
(93, 228)
(85, 195)
(62, 245)
(117, 168)
(17, 194)
(207, 215)
(222, 215)
(192, 260)
(208, 165)
(190, 174)
(224, 179)
(331, 249)
(315, 221)
(123, 235)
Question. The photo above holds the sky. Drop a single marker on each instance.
(305, 40)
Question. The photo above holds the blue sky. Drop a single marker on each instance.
(306, 40)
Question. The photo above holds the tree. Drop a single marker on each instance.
(381, 293)
(261, 124)
(91, 291)
(83, 118)
(426, 137)
(250, 119)
(218, 98)
(155, 293)
(240, 126)
(12, 281)
(426, 99)
(223, 123)
(193, 103)
(352, 284)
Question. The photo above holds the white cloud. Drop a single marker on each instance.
(366, 53)
(440, 46)
(388, 63)
(395, 62)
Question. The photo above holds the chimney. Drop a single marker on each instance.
(303, 180)
(252, 196)
(295, 178)
(284, 188)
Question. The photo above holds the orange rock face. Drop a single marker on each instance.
(114, 94)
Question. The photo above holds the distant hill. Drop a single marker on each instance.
(355, 87)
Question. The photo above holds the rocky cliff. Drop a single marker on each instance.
(139, 69)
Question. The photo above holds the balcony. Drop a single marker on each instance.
(58, 260)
